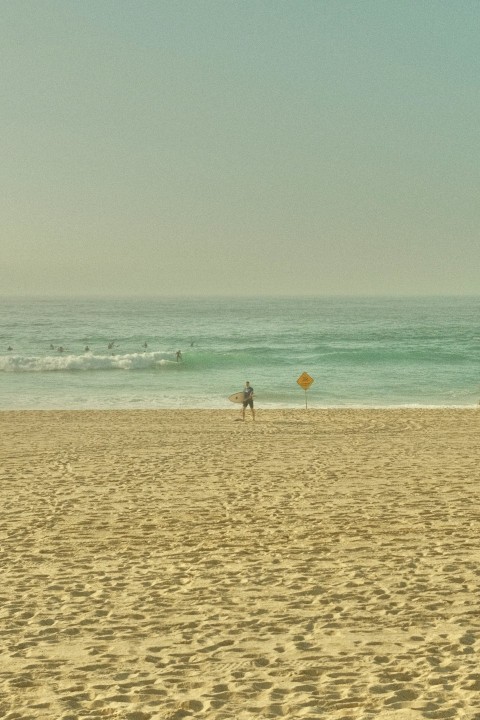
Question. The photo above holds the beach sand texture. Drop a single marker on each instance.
(176, 564)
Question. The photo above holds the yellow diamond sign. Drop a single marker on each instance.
(305, 380)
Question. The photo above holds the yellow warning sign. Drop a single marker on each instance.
(305, 380)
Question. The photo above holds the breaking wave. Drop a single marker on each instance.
(89, 361)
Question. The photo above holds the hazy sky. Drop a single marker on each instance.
(240, 147)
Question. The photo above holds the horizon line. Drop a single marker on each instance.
(233, 296)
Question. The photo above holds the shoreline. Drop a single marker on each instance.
(176, 563)
(260, 407)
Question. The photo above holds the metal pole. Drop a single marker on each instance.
(305, 398)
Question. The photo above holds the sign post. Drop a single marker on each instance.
(305, 381)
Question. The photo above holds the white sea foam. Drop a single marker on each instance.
(88, 361)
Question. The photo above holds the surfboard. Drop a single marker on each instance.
(237, 397)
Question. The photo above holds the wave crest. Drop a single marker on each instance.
(89, 361)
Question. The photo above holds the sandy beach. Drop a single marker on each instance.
(162, 565)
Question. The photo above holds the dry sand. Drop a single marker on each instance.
(314, 564)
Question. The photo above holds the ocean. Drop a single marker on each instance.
(361, 352)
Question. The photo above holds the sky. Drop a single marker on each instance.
(239, 147)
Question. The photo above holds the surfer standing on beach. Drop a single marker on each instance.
(247, 400)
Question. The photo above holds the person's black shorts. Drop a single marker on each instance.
(248, 403)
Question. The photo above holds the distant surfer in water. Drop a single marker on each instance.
(248, 400)
(178, 355)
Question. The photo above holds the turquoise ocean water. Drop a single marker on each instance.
(361, 352)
